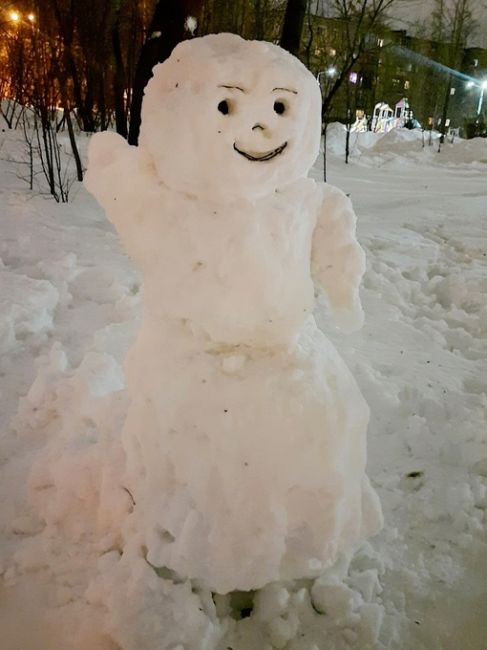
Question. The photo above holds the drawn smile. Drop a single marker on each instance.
(261, 157)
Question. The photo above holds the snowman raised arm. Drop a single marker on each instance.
(124, 181)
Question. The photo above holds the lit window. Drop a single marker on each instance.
(406, 85)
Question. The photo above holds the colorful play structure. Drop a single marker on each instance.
(385, 118)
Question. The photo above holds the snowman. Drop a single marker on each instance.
(245, 438)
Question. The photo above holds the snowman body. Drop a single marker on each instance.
(245, 436)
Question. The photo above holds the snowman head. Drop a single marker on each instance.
(225, 118)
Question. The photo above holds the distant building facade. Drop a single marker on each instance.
(395, 66)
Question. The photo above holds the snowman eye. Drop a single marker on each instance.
(279, 108)
(224, 107)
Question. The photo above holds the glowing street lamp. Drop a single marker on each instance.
(483, 87)
(31, 18)
(14, 16)
(329, 72)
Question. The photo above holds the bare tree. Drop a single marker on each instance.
(452, 24)
(25, 163)
(350, 32)
(14, 50)
(42, 93)
(359, 24)
(119, 78)
(254, 19)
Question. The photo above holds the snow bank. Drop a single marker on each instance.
(472, 151)
(336, 134)
(403, 145)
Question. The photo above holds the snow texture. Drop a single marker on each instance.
(67, 578)
(245, 438)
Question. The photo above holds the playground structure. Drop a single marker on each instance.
(385, 118)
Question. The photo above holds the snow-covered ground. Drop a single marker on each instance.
(70, 301)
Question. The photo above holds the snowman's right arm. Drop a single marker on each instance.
(122, 178)
(110, 168)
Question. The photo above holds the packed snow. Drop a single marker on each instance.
(71, 309)
(245, 432)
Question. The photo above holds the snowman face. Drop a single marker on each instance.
(228, 118)
(266, 129)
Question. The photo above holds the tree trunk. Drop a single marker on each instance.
(74, 146)
(293, 25)
(259, 20)
(65, 23)
(337, 84)
(325, 129)
(166, 30)
(445, 113)
(119, 79)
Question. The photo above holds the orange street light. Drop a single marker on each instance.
(14, 16)
(31, 18)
